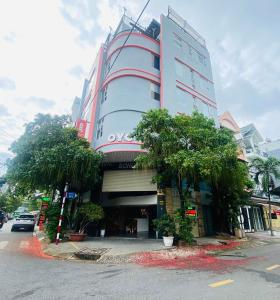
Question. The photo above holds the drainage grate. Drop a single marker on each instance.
(91, 254)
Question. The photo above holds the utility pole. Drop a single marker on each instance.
(269, 207)
(61, 213)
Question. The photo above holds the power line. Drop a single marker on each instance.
(132, 28)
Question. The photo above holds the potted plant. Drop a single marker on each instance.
(87, 213)
(166, 226)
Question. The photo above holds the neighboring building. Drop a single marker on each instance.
(165, 65)
(252, 139)
(251, 216)
(226, 120)
(271, 148)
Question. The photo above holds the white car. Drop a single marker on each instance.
(24, 221)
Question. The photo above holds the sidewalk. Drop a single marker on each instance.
(118, 249)
(264, 235)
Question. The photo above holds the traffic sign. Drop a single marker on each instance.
(46, 199)
(71, 195)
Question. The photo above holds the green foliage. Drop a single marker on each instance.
(165, 225)
(50, 153)
(89, 212)
(52, 216)
(193, 149)
(10, 200)
(185, 224)
(267, 170)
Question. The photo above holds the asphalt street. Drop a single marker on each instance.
(26, 276)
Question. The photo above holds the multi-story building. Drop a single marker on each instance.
(165, 65)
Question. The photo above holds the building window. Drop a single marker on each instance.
(193, 79)
(104, 96)
(178, 44)
(179, 68)
(100, 128)
(155, 91)
(201, 58)
(156, 62)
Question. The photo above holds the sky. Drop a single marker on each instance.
(47, 48)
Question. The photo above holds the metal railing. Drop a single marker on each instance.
(182, 23)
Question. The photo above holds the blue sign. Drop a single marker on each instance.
(71, 195)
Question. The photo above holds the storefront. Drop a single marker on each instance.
(252, 218)
(130, 202)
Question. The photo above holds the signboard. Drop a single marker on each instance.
(119, 137)
(46, 199)
(42, 218)
(82, 126)
(71, 195)
(191, 211)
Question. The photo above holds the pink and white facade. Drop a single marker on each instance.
(165, 65)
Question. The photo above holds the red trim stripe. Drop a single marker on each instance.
(131, 75)
(132, 46)
(128, 150)
(133, 69)
(118, 143)
(94, 104)
(196, 96)
(120, 35)
(192, 68)
(161, 64)
(196, 91)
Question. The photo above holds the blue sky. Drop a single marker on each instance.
(47, 48)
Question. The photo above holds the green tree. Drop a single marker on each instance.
(49, 154)
(266, 169)
(192, 149)
(10, 201)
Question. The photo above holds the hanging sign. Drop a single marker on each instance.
(191, 211)
(82, 126)
(71, 195)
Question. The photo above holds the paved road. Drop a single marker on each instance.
(25, 276)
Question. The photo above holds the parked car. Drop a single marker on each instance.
(24, 221)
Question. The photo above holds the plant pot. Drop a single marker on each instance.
(102, 232)
(243, 233)
(77, 237)
(168, 241)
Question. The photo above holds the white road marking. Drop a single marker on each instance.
(3, 245)
(23, 244)
(272, 267)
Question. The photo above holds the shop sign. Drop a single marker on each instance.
(81, 125)
(191, 212)
(277, 212)
(42, 218)
(119, 137)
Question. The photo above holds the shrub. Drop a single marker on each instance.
(165, 225)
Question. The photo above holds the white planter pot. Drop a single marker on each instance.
(102, 232)
(238, 233)
(168, 241)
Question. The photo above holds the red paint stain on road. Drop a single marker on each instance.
(34, 248)
(196, 258)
